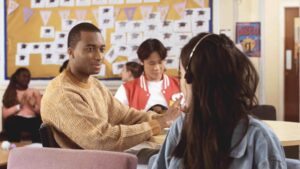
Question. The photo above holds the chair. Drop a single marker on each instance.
(47, 137)
(292, 163)
(264, 112)
(49, 158)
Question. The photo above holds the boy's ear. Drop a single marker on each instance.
(70, 52)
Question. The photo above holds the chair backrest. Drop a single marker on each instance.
(264, 112)
(49, 158)
(292, 163)
(47, 137)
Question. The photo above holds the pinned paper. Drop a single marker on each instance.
(150, 1)
(45, 16)
(61, 58)
(166, 26)
(80, 14)
(106, 17)
(181, 39)
(23, 48)
(27, 13)
(47, 32)
(22, 59)
(121, 26)
(154, 17)
(83, 2)
(117, 67)
(116, 2)
(111, 55)
(182, 26)
(136, 26)
(122, 50)
(67, 24)
(68, 3)
(145, 11)
(135, 37)
(179, 8)
(201, 14)
(133, 55)
(118, 38)
(64, 14)
(200, 26)
(200, 3)
(61, 37)
(99, 2)
(12, 6)
(38, 3)
(163, 10)
(36, 48)
(172, 63)
(49, 58)
(129, 12)
(52, 3)
(133, 1)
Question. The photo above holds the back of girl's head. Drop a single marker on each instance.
(223, 91)
(218, 68)
(9, 97)
(135, 68)
(149, 46)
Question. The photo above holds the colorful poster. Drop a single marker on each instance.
(248, 36)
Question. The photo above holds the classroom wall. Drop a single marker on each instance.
(226, 12)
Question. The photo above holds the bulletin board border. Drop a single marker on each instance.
(49, 78)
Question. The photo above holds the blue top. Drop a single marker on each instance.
(258, 149)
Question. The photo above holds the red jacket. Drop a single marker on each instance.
(138, 95)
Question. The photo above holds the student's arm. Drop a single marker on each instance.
(121, 95)
(164, 159)
(6, 112)
(68, 112)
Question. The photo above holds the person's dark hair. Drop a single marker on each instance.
(149, 46)
(63, 66)
(224, 82)
(10, 94)
(74, 34)
(136, 69)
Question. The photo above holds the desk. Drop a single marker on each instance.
(288, 133)
(4, 153)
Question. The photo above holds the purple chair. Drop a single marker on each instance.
(51, 158)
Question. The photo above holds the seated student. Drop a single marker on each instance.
(217, 132)
(21, 107)
(130, 71)
(82, 110)
(152, 87)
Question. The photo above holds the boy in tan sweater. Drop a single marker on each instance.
(83, 111)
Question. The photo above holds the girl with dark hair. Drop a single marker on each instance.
(21, 107)
(217, 130)
(153, 86)
(130, 71)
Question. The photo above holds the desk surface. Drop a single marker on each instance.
(288, 133)
(4, 153)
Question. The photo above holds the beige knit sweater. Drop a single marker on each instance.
(86, 115)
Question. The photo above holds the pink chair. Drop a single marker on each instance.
(52, 158)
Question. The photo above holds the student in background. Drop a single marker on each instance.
(21, 107)
(83, 112)
(130, 71)
(153, 86)
(217, 131)
(63, 66)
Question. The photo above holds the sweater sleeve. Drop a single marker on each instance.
(70, 113)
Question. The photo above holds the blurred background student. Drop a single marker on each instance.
(153, 86)
(21, 107)
(130, 71)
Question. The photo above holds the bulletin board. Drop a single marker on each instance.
(36, 30)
